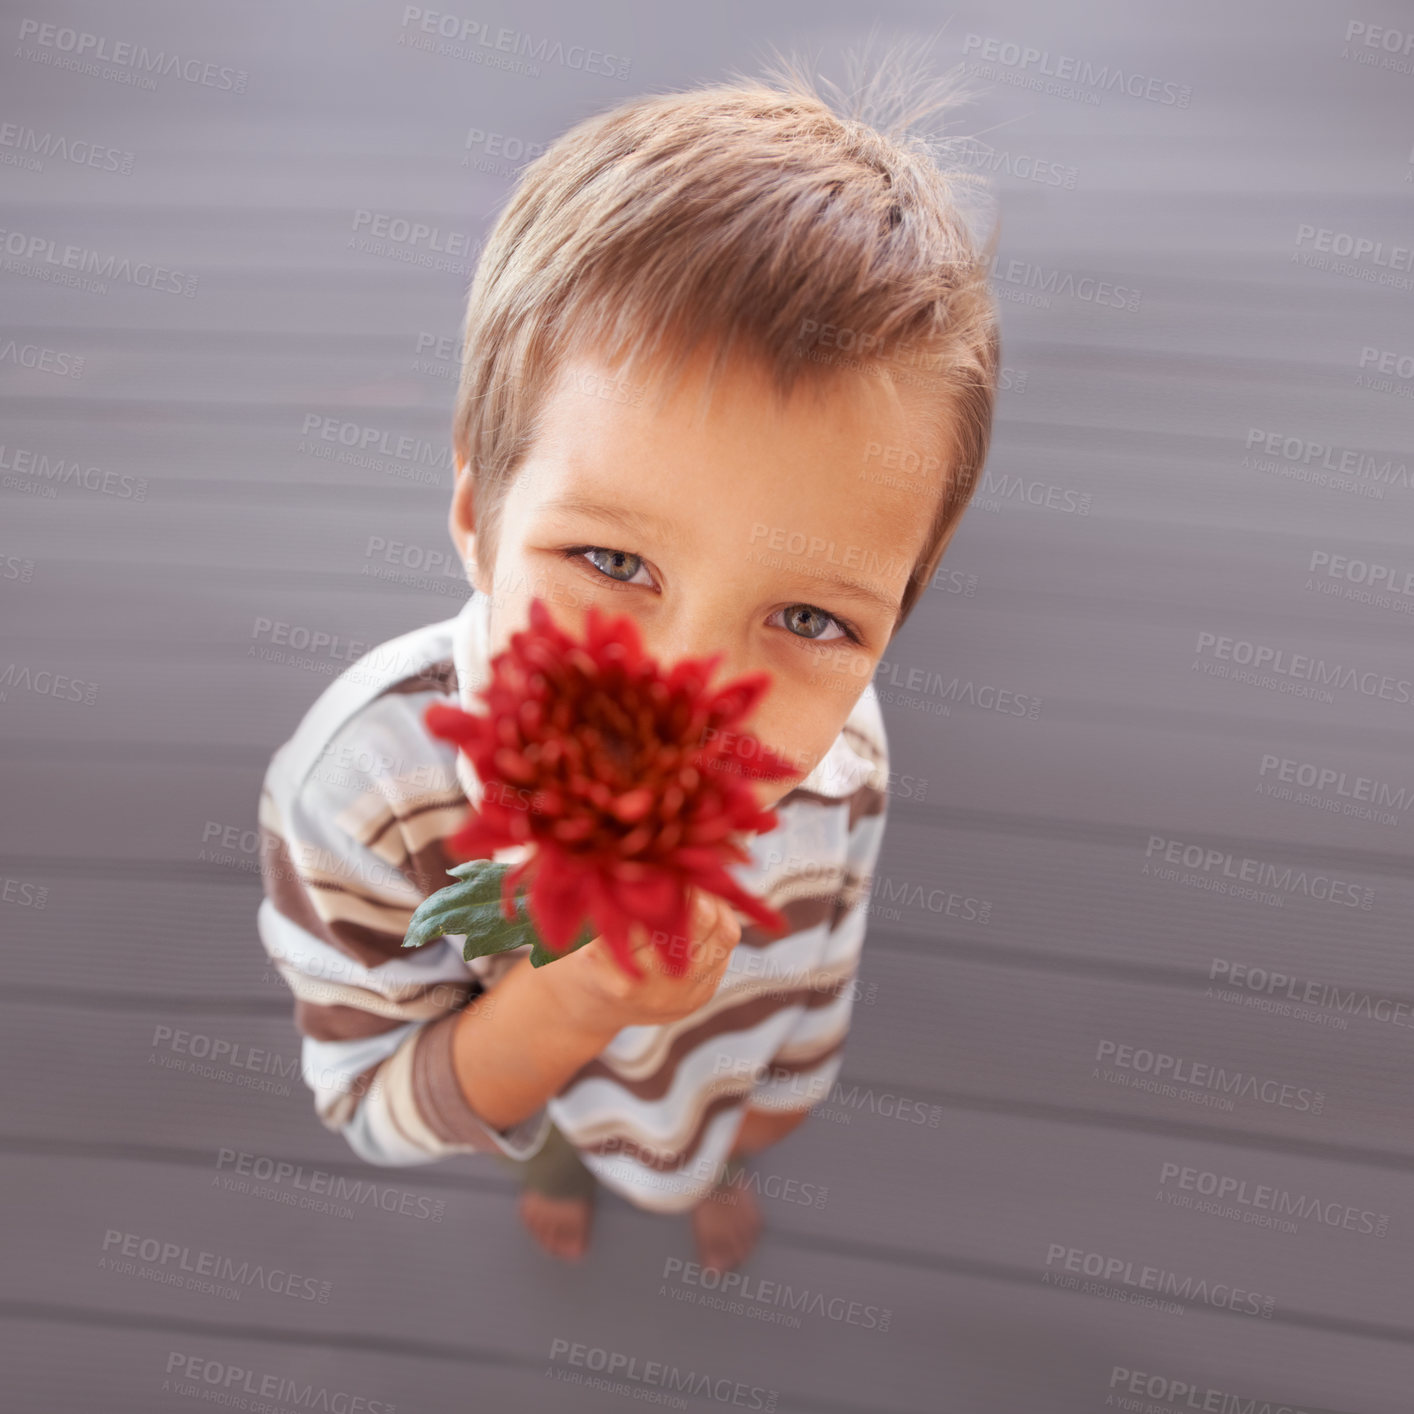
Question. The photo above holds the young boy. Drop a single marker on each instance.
(729, 366)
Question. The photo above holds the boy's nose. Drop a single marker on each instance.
(700, 638)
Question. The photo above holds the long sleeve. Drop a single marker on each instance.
(375, 1019)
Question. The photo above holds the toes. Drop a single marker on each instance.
(719, 1252)
(562, 1234)
(715, 1259)
(732, 1247)
(569, 1239)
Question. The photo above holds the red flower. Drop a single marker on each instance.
(628, 784)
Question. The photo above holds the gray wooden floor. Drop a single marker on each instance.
(1023, 1153)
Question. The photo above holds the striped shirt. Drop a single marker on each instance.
(353, 814)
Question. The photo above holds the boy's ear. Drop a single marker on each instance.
(461, 518)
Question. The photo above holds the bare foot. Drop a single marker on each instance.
(559, 1225)
(726, 1224)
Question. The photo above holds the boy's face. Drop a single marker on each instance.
(723, 533)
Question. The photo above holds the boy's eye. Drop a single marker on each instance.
(806, 621)
(614, 562)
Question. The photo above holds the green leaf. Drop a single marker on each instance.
(472, 907)
(540, 954)
(479, 868)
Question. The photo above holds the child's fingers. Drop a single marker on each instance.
(705, 917)
(717, 933)
(724, 928)
(713, 930)
(730, 924)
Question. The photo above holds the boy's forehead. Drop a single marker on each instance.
(853, 456)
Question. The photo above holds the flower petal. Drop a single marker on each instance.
(558, 900)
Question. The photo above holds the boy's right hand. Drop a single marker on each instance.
(597, 994)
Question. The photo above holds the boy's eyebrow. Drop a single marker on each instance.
(638, 521)
(854, 589)
(647, 523)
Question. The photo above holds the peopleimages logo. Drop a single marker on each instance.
(1061, 68)
(85, 51)
(1261, 873)
(934, 686)
(1334, 789)
(1182, 1393)
(1264, 989)
(739, 1288)
(440, 32)
(320, 1190)
(48, 473)
(1122, 1271)
(44, 360)
(1370, 582)
(1261, 1204)
(1327, 456)
(622, 1367)
(1203, 1076)
(45, 255)
(177, 1257)
(1050, 280)
(32, 149)
(1023, 166)
(226, 1384)
(1269, 665)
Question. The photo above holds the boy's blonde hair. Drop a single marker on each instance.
(751, 218)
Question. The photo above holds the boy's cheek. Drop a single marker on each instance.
(767, 793)
(801, 750)
(838, 670)
(740, 752)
